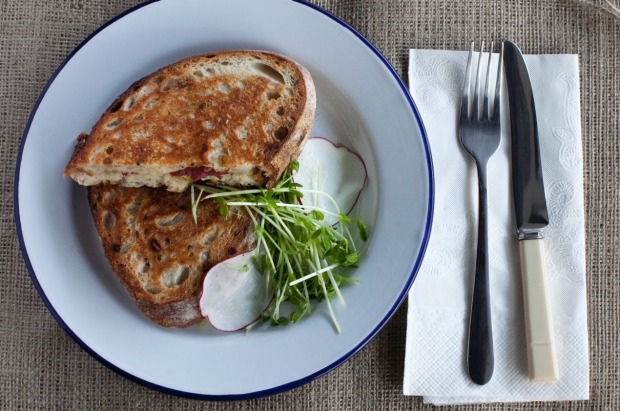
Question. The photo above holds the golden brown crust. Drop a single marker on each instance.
(224, 111)
(157, 250)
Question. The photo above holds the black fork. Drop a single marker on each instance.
(479, 133)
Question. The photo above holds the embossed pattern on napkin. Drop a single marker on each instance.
(438, 314)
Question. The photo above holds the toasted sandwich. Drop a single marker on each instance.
(236, 118)
(157, 250)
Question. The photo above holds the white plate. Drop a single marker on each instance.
(361, 103)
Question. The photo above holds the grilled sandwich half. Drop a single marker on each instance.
(157, 250)
(237, 118)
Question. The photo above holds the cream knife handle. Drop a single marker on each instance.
(542, 360)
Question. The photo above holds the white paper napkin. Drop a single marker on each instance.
(438, 316)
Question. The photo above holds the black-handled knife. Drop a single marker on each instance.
(531, 215)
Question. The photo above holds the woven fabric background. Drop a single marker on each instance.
(42, 368)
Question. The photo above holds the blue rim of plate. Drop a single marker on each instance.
(269, 391)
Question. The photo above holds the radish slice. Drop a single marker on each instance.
(234, 294)
(333, 169)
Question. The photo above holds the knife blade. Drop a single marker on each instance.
(530, 208)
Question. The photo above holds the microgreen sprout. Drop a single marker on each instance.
(297, 250)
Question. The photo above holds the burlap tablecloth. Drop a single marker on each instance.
(42, 368)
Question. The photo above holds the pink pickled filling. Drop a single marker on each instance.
(197, 173)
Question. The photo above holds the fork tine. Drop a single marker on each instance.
(487, 86)
(498, 84)
(476, 111)
(465, 102)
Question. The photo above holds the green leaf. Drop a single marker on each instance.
(307, 224)
(317, 233)
(344, 219)
(352, 258)
(265, 316)
(326, 241)
(302, 310)
(362, 230)
(317, 215)
(224, 210)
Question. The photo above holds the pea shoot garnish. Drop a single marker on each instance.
(301, 252)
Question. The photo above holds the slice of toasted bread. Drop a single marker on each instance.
(237, 117)
(157, 250)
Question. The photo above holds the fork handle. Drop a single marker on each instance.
(480, 358)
